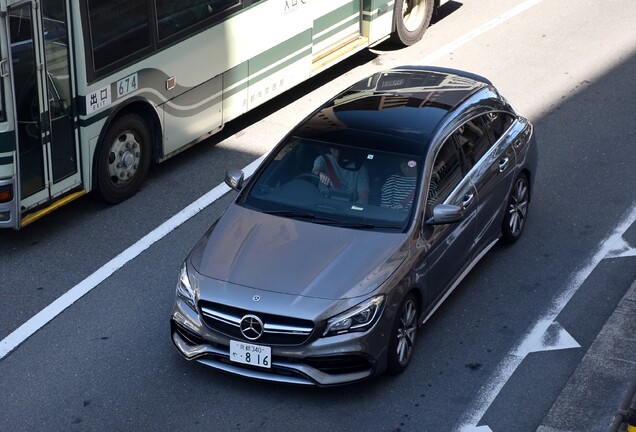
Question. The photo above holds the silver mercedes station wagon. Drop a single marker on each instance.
(355, 228)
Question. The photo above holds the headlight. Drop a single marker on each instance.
(185, 289)
(359, 318)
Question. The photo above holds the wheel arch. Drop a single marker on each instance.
(528, 174)
(523, 171)
(419, 297)
(407, 287)
(141, 107)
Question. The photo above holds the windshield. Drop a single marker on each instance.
(337, 185)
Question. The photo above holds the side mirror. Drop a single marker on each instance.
(234, 179)
(446, 214)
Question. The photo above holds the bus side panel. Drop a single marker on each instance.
(89, 137)
(7, 152)
(235, 92)
(292, 67)
(334, 22)
(193, 114)
(281, 48)
(377, 21)
(9, 215)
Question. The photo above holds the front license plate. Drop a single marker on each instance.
(255, 355)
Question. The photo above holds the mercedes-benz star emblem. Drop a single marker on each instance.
(251, 327)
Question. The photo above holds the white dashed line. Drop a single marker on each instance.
(27, 329)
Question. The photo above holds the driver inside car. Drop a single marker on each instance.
(342, 174)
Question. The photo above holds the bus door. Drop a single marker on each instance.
(47, 148)
(337, 30)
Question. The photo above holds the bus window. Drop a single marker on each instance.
(175, 16)
(119, 28)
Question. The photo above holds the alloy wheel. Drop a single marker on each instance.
(518, 207)
(406, 331)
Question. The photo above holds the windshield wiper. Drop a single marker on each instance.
(291, 214)
(328, 221)
(369, 226)
(310, 216)
(306, 216)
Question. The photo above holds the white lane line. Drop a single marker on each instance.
(463, 40)
(27, 329)
(530, 342)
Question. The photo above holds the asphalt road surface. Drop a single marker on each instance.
(494, 357)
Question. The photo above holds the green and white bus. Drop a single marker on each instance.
(92, 92)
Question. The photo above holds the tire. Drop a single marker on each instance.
(123, 159)
(403, 334)
(411, 19)
(516, 211)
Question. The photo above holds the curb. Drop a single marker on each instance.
(625, 417)
(601, 392)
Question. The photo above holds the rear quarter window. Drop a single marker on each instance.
(473, 139)
(498, 123)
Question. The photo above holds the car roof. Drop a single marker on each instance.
(395, 110)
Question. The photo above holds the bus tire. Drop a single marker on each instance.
(124, 159)
(411, 19)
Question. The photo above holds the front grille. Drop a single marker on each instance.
(278, 330)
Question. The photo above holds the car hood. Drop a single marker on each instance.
(283, 255)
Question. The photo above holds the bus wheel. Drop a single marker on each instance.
(124, 159)
(412, 18)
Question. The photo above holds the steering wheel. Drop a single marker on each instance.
(312, 178)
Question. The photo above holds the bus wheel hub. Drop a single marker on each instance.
(124, 157)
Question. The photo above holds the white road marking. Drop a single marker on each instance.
(546, 335)
(463, 40)
(546, 326)
(27, 329)
(620, 248)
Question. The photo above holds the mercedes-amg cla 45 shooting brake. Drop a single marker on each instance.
(355, 228)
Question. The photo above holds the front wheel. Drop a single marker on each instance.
(403, 335)
(516, 210)
(411, 19)
(124, 159)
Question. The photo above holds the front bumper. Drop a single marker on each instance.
(328, 361)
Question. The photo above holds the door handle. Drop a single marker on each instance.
(4, 69)
(468, 199)
(503, 164)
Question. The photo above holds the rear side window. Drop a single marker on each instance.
(446, 174)
(498, 123)
(473, 139)
(118, 29)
